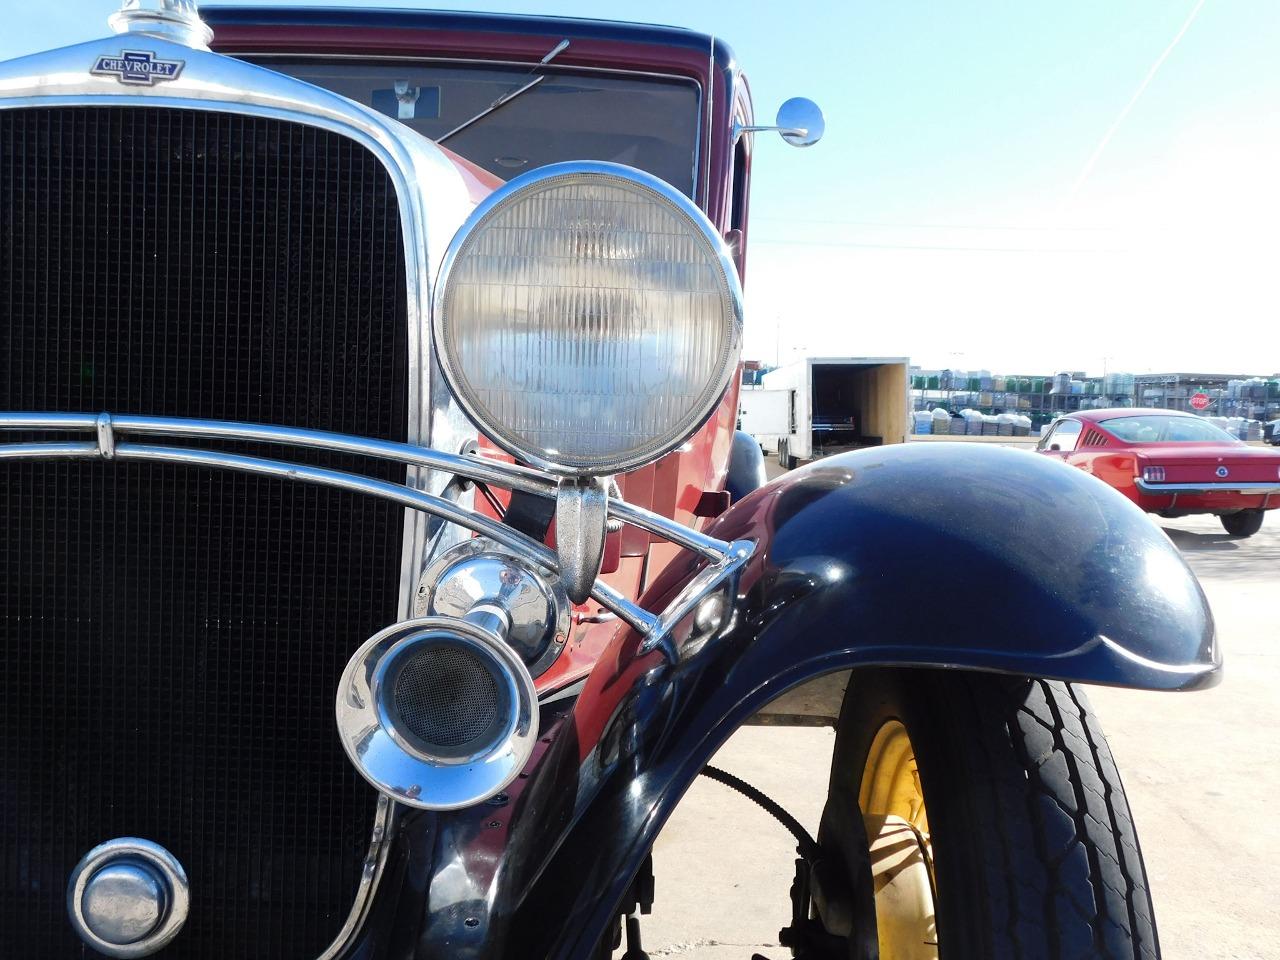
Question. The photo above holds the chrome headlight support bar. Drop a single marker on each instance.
(108, 431)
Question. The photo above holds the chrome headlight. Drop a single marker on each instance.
(588, 318)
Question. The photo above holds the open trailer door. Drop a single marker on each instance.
(842, 403)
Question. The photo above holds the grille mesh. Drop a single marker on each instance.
(170, 638)
(447, 696)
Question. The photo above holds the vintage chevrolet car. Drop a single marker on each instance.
(380, 565)
(1171, 463)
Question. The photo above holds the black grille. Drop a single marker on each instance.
(171, 639)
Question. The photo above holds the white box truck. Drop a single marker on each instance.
(840, 403)
(765, 414)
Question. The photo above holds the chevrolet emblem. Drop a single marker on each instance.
(137, 68)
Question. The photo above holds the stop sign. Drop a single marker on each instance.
(1200, 400)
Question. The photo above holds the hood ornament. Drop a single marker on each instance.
(175, 20)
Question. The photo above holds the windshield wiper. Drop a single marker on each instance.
(510, 94)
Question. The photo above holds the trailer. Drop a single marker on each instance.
(765, 414)
(840, 403)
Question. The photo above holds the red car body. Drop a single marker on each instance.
(686, 484)
(1170, 463)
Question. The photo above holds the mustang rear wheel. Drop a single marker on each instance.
(1243, 523)
(982, 818)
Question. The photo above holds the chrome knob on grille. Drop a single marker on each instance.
(123, 902)
(127, 897)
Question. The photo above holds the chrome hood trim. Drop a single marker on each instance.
(433, 197)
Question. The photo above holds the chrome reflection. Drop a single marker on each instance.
(457, 730)
(535, 608)
(176, 20)
(128, 897)
(370, 874)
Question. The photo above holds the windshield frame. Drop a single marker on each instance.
(267, 58)
(1225, 438)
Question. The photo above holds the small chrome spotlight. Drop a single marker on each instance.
(533, 608)
(437, 713)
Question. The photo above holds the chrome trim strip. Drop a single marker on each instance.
(708, 121)
(417, 500)
(511, 476)
(369, 877)
(1252, 488)
(49, 451)
(668, 529)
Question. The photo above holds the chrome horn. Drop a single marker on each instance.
(438, 713)
(441, 712)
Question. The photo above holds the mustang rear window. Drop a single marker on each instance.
(645, 122)
(1158, 429)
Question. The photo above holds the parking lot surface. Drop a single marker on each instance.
(1202, 772)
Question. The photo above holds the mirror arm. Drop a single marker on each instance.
(739, 129)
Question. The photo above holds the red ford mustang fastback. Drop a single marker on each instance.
(1171, 463)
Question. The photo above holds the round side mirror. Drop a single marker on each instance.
(800, 122)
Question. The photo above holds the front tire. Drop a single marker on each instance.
(1242, 523)
(993, 820)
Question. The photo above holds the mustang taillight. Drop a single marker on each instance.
(1153, 474)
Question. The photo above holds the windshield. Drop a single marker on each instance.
(1158, 429)
(645, 122)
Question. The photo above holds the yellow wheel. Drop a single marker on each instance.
(976, 817)
(897, 826)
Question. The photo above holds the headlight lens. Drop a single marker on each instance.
(588, 318)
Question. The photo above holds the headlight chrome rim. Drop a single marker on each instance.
(394, 763)
(730, 291)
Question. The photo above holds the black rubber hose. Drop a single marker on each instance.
(807, 846)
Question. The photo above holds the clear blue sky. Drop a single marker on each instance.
(953, 212)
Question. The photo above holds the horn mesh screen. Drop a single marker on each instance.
(450, 698)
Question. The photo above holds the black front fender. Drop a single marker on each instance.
(970, 556)
(942, 555)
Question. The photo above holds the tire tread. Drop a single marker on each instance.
(1036, 854)
(1096, 898)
